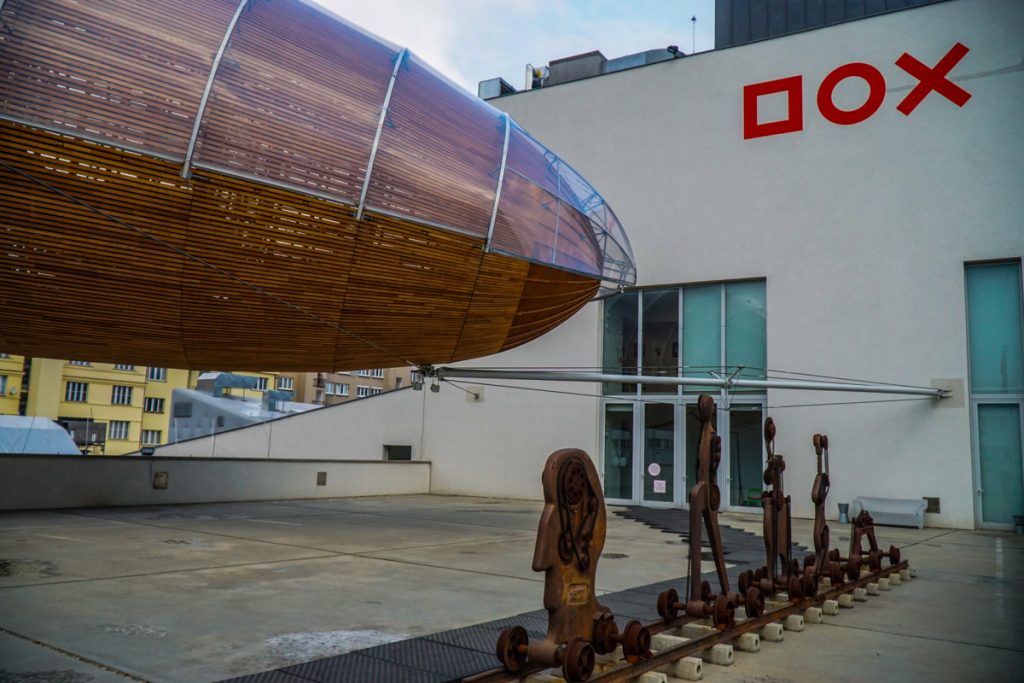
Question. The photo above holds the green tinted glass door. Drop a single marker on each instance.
(1000, 460)
(659, 452)
(618, 451)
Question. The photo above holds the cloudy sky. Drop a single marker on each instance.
(473, 40)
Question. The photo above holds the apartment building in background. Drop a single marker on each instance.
(331, 388)
(113, 409)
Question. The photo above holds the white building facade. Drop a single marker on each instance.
(844, 202)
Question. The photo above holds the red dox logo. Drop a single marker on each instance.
(930, 79)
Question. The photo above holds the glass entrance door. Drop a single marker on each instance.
(659, 448)
(746, 456)
(618, 451)
(1000, 473)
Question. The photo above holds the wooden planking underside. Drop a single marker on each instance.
(283, 280)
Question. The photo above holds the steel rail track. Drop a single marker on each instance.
(629, 671)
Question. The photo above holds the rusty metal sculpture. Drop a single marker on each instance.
(821, 561)
(570, 538)
(780, 572)
(863, 526)
(705, 499)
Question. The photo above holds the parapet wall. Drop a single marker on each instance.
(48, 481)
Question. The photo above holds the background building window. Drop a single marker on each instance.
(645, 331)
(329, 388)
(285, 383)
(121, 395)
(154, 405)
(342, 389)
(378, 373)
(124, 366)
(157, 374)
(117, 430)
(78, 362)
(365, 373)
(3, 385)
(261, 384)
(77, 392)
(362, 391)
(376, 390)
(151, 437)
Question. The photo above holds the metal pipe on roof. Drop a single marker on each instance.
(794, 384)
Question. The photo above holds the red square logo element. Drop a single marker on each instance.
(794, 89)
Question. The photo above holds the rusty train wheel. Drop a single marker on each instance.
(724, 611)
(794, 587)
(578, 660)
(834, 554)
(810, 583)
(810, 561)
(835, 573)
(705, 591)
(605, 634)
(745, 580)
(875, 560)
(668, 602)
(511, 648)
(755, 602)
(636, 640)
(853, 568)
(894, 555)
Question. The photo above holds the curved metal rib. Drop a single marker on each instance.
(186, 168)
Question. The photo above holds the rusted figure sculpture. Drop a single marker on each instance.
(781, 572)
(821, 563)
(570, 538)
(705, 499)
(863, 526)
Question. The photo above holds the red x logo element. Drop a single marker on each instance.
(933, 79)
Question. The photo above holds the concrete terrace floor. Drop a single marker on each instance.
(206, 592)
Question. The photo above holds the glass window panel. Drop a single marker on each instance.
(618, 451)
(439, 153)
(659, 452)
(619, 347)
(994, 322)
(999, 446)
(702, 333)
(297, 100)
(660, 337)
(746, 460)
(746, 329)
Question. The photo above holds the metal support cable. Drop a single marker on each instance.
(796, 384)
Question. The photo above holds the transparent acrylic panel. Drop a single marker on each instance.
(527, 221)
(619, 344)
(746, 459)
(999, 453)
(702, 333)
(660, 337)
(439, 154)
(131, 73)
(297, 100)
(659, 452)
(586, 236)
(618, 451)
(746, 330)
(576, 246)
(994, 322)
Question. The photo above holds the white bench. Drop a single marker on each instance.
(891, 511)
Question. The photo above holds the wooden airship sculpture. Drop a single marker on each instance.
(260, 184)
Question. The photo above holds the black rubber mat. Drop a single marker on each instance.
(453, 655)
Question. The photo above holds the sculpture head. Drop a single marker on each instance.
(572, 528)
